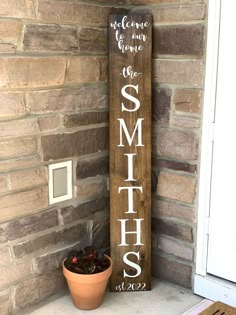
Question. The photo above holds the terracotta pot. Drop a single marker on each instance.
(87, 291)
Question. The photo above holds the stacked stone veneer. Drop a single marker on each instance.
(178, 71)
(54, 107)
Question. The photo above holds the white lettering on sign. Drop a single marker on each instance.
(131, 196)
(129, 72)
(131, 287)
(132, 264)
(129, 138)
(130, 98)
(137, 232)
(127, 24)
(130, 167)
(139, 36)
(120, 37)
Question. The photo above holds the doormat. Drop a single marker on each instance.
(196, 309)
(219, 308)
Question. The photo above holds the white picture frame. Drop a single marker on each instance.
(66, 194)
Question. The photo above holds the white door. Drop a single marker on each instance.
(221, 260)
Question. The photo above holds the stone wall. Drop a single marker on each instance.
(54, 107)
(178, 70)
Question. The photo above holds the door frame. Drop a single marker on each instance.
(204, 284)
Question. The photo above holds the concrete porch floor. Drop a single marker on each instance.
(164, 299)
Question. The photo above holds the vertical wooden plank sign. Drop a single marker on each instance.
(130, 59)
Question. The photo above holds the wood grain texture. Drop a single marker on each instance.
(140, 63)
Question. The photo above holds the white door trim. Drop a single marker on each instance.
(207, 134)
(204, 284)
(215, 289)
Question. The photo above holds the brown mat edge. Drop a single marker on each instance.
(220, 307)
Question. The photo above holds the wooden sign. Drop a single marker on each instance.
(130, 60)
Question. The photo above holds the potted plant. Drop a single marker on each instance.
(87, 272)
